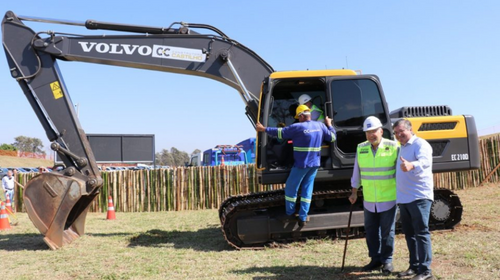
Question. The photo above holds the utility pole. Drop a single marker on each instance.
(77, 106)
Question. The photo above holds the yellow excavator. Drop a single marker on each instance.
(57, 202)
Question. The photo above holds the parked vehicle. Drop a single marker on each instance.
(248, 145)
(3, 171)
(19, 169)
(196, 159)
(224, 154)
(30, 169)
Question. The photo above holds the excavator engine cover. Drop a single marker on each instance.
(56, 207)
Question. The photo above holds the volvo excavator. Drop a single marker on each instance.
(57, 202)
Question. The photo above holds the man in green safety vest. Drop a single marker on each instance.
(316, 113)
(375, 170)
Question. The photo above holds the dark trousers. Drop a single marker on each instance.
(380, 228)
(415, 223)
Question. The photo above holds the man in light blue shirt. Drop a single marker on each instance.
(415, 193)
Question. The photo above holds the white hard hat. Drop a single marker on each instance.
(304, 98)
(371, 123)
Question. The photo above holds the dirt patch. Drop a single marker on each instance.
(7, 161)
(472, 227)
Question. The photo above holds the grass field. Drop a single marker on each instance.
(190, 245)
(6, 161)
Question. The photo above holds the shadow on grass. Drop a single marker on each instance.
(34, 241)
(309, 272)
(207, 239)
(24, 241)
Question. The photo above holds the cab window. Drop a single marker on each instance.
(354, 101)
(285, 99)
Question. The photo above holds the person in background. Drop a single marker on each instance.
(307, 137)
(41, 170)
(375, 170)
(8, 186)
(316, 113)
(415, 193)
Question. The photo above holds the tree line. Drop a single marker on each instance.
(174, 157)
(25, 144)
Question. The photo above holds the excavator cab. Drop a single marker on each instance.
(344, 96)
(254, 219)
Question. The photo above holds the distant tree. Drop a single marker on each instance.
(29, 144)
(180, 158)
(164, 158)
(174, 157)
(8, 147)
(197, 151)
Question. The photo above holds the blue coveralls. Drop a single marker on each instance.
(307, 138)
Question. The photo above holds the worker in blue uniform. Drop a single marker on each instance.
(307, 136)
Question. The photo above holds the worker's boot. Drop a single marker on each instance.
(373, 265)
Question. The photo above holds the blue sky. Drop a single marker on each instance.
(425, 53)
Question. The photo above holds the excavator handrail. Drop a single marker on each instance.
(100, 25)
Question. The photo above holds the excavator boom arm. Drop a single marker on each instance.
(57, 203)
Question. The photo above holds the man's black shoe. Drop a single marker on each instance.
(302, 223)
(423, 276)
(373, 265)
(406, 273)
(387, 269)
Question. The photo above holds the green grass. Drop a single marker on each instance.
(190, 245)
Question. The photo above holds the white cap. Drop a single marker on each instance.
(371, 123)
(304, 98)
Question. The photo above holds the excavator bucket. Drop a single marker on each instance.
(56, 207)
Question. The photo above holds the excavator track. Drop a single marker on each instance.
(256, 220)
(446, 210)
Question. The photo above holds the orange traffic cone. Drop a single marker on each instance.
(8, 205)
(4, 218)
(111, 209)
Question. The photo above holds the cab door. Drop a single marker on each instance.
(353, 99)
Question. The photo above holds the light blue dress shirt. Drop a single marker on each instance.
(417, 183)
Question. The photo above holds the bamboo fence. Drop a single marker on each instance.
(194, 188)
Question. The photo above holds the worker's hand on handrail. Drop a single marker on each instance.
(328, 121)
(260, 127)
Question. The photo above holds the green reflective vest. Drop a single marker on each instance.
(378, 173)
(321, 114)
